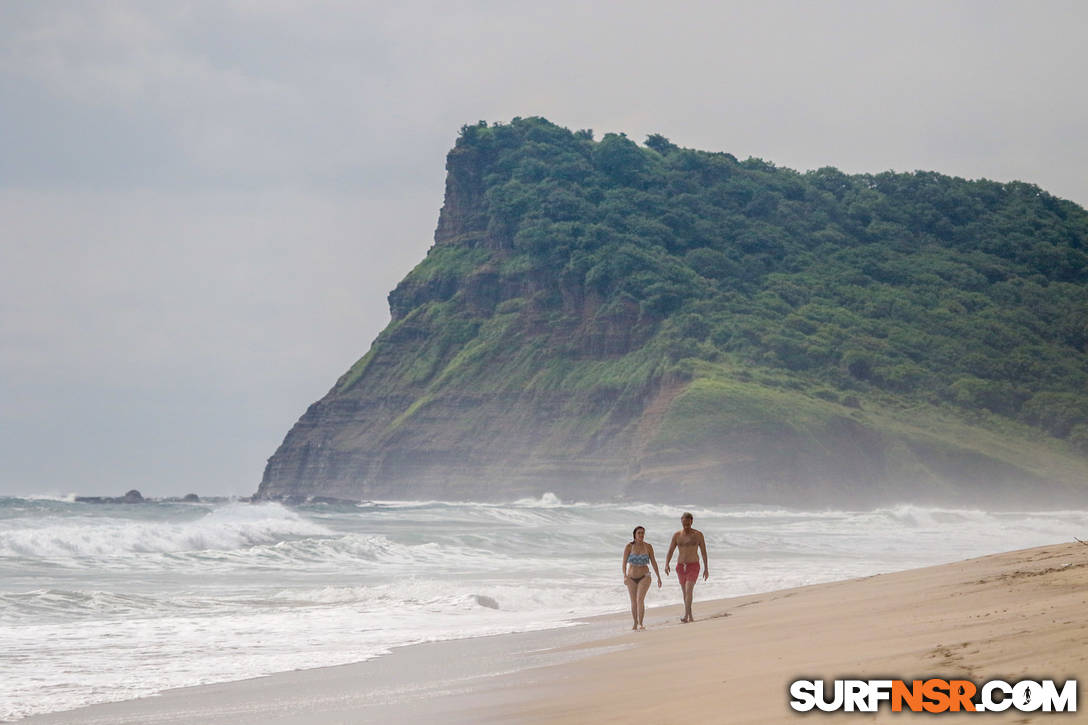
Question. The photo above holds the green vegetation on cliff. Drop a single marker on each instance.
(912, 287)
(667, 307)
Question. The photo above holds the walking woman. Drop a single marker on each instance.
(637, 557)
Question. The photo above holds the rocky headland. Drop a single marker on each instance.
(604, 320)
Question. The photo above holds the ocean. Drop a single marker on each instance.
(102, 602)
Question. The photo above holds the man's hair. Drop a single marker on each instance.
(686, 515)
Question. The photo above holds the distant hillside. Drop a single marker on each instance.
(603, 320)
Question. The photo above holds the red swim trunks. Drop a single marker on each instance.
(687, 572)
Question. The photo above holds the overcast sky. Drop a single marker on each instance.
(205, 205)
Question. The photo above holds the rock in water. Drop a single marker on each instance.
(132, 496)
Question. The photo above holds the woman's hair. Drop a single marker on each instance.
(635, 531)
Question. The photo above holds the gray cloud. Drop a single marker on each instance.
(205, 203)
(255, 94)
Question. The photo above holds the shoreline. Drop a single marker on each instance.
(371, 690)
(1013, 615)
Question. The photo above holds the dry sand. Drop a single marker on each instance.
(1020, 615)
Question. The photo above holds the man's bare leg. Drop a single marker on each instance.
(689, 594)
(687, 608)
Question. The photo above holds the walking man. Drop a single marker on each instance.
(690, 543)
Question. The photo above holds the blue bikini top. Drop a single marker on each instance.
(638, 559)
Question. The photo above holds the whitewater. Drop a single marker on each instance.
(109, 602)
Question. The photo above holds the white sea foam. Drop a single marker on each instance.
(62, 497)
(546, 500)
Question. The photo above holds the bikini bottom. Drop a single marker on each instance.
(636, 580)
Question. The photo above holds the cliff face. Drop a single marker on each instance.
(602, 321)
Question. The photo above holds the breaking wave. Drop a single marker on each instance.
(231, 527)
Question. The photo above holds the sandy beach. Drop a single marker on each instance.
(1017, 615)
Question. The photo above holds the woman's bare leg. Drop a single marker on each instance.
(643, 587)
(632, 590)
